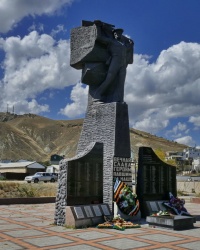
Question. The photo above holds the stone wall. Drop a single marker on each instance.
(189, 186)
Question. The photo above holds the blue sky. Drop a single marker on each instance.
(162, 85)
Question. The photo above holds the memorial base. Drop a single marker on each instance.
(135, 218)
(117, 212)
(84, 216)
(177, 222)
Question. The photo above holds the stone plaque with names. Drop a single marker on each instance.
(122, 170)
(85, 178)
(88, 211)
(161, 206)
(105, 209)
(155, 178)
(153, 206)
(79, 213)
(97, 210)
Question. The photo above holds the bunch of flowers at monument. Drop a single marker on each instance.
(126, 201)
(176, 205)
(117, 223)
(161, 213)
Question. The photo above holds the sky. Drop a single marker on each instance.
(162, 87)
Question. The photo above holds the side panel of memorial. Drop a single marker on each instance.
(155, 178)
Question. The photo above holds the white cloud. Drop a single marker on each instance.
(39, 27)
(195, 120)
(79, 97)
(33, 64)
(30, 107)
(59, 28)
(179, 127)
(178, 130)
(13, 11)
(32, 27)
(187, 140)
(152, 123)
(168, 88)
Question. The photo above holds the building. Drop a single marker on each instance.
(18, 170)
(53, 169)
(191, 153)
(55, 159)
(196, 165)
(187, 154)
(172, 155)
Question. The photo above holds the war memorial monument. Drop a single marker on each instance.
(86, 181)
(103, 53)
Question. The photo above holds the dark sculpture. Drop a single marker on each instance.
(103, 53)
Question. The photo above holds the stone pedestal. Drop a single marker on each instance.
(89, 215)
(176, 222)
(107, 123)
(135, 219)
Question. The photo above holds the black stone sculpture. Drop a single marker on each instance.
(103, 53)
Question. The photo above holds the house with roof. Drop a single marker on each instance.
(18, 170)
(55, 159)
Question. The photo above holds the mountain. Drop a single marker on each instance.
(33, 137)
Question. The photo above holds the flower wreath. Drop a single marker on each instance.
(176, 205)
(126, 201)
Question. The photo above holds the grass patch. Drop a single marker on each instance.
(181, 193)
(11, 189)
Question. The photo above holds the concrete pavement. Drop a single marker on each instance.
(31, 227)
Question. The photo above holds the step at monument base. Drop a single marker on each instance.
(177, 222)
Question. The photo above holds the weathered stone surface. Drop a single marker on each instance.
(94, 73)
(60, 204)
(84, 48)
(107, 123)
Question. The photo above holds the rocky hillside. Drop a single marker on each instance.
(34, 137)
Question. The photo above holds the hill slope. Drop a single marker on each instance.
(34, 137)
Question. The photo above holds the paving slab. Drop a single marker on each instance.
(78, 247)
(91, 235)
(191, 245)
(123, 244)
(161, 237)
(47, 241)
(31, 227)
(5, 245)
